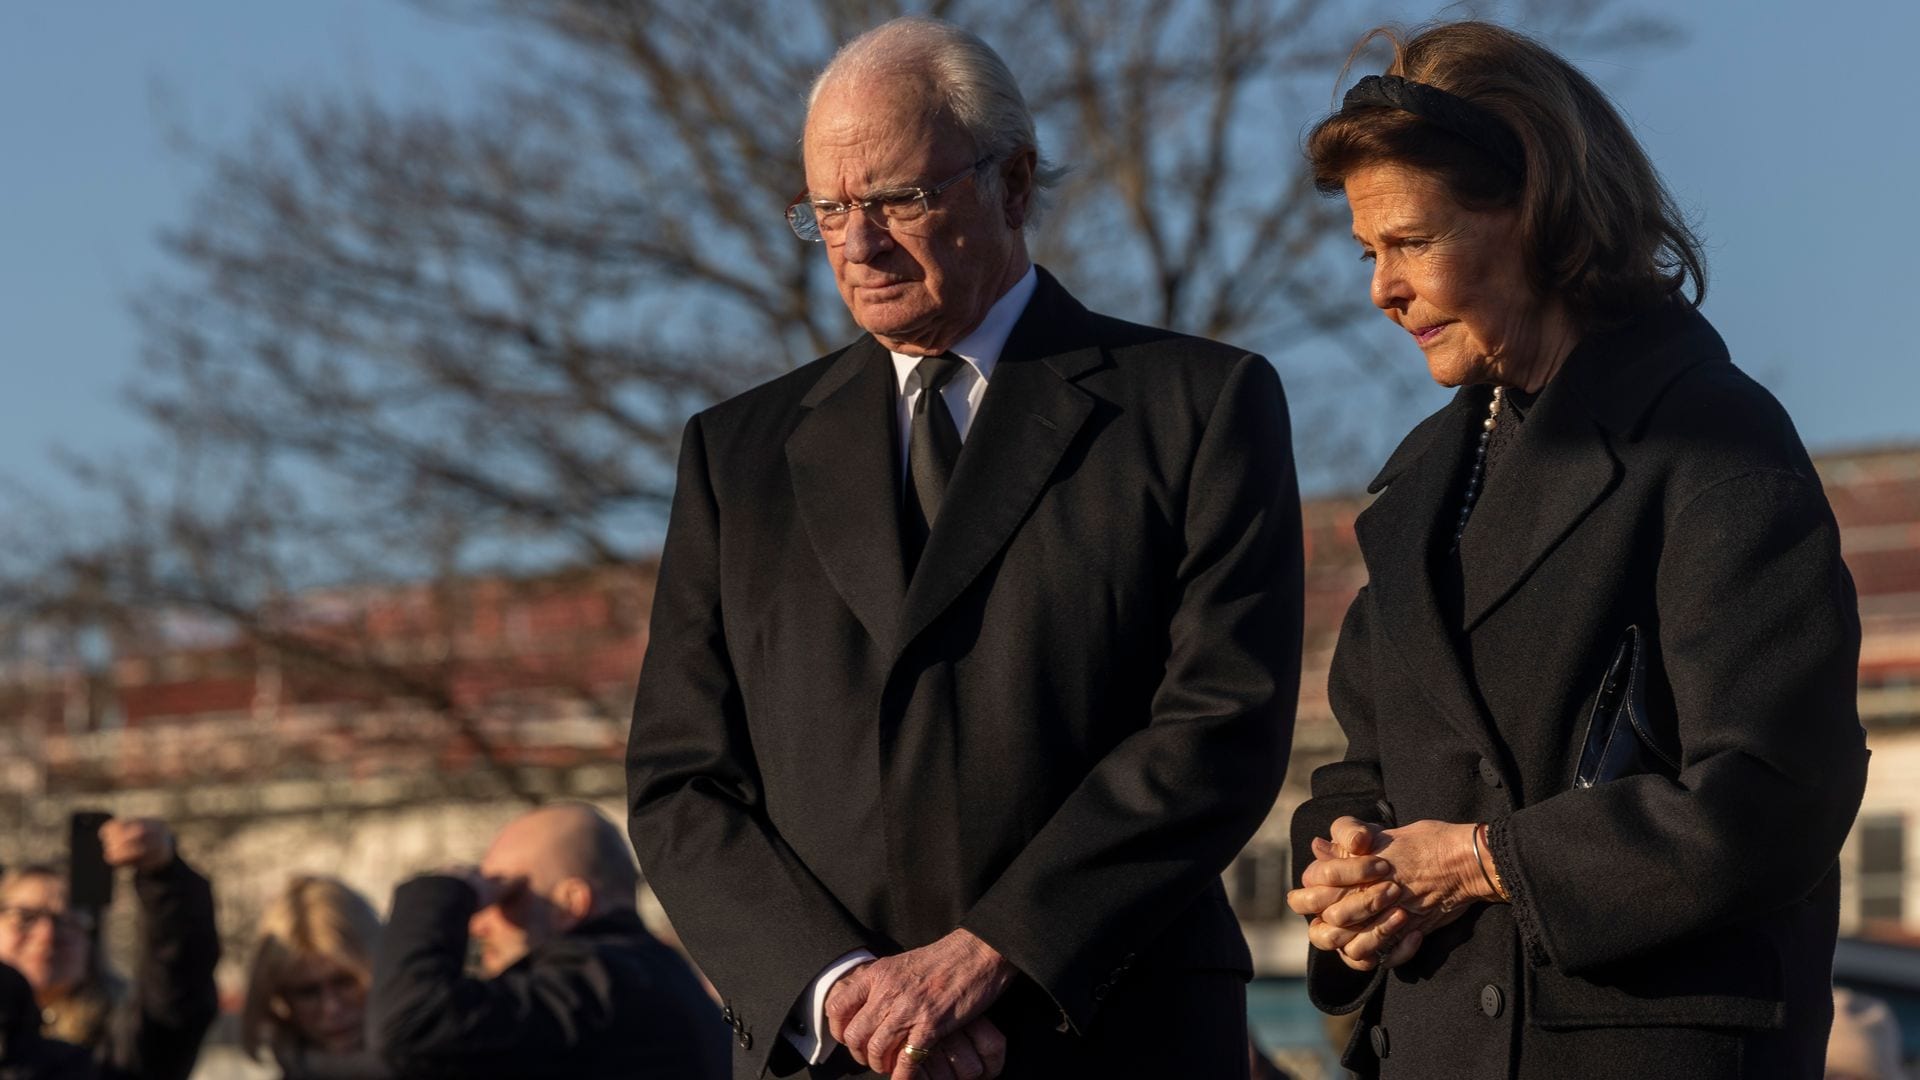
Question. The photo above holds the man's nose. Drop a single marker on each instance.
(864, 238)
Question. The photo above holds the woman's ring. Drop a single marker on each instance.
(914, 1053)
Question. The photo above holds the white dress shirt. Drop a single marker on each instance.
(806, 1026)
(980, 349)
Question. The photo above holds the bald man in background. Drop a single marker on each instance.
(573, 984)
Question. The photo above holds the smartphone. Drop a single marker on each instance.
(89, 878)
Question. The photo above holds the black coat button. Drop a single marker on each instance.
(1100, 992)
(745, 1040)
(1490, 774)
(1378, 1037)
(1492, 1001)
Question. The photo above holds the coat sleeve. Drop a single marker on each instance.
(1164, 811)
(427, 1018)
(174, 1000)
(1760, 635)
(695, 809)
(1350, 787)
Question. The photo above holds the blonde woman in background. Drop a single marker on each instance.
(307, 988)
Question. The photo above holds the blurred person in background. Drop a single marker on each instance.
(572, 983)
(1865, 1044)
(306, 997)
(1599, 689)
(149, 1029)
(25, 1053)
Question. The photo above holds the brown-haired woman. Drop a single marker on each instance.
(307, 990)
(1599, 689)
(149, 1028)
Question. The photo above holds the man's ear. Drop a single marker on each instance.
(574, 900)
(1016, 177)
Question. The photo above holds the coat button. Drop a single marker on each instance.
(745, 1040)
(1378, 1037)
(1492, 1001)
(1490, 774)
(1100, 992)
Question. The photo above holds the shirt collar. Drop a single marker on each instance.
(983, 344)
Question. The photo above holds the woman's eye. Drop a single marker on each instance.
(1366, 256)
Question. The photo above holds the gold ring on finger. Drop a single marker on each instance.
(915, 1054)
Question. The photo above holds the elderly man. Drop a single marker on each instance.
(975, 646)
(575, 986)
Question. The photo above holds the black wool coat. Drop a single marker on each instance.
(604, 1001)
(1056, 736)
(1659, 927)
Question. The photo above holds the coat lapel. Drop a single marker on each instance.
(1396, 535)
(1552, 476)
(1563, 465)
(846, 484)
(1030, 415)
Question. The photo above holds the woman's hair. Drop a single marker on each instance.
(1600, 230)
(316, 917)
(80, 1015)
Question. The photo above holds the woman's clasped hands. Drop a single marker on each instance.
(1374, 894)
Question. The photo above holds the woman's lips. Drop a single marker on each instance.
(1426, 334)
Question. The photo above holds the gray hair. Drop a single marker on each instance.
(968, 80)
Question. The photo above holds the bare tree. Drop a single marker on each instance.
(411, 344)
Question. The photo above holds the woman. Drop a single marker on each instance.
(307, 991)
(1610, 531)
(150, 1028)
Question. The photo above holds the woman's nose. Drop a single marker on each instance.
(1388, 289)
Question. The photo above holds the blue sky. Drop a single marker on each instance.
(1785, 128)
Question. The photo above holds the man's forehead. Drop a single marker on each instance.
(876, 138)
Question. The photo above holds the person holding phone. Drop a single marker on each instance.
(147, 1028)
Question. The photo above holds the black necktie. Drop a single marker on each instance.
(933, 445)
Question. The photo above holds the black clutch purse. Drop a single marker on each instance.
(1622, 738)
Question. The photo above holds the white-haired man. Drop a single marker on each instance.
(975, 646)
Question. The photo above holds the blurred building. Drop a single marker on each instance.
(372, 734)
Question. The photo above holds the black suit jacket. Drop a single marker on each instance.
(605, 1001)
(1660, 927)
(1056, 736)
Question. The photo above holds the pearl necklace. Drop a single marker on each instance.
(1479, 464)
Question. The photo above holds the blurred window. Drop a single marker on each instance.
(1883, 869)
(1258, 881)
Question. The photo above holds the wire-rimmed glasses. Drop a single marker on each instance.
(817, 219)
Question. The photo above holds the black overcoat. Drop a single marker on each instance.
(1057, 737)
(1660, 928)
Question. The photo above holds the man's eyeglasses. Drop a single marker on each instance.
(817, 219)
(24, 919)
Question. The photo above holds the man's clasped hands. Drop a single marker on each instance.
(1374, 893)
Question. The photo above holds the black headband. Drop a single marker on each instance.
(1436, 106)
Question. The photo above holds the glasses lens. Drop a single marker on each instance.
(902, 209)
(806, 225)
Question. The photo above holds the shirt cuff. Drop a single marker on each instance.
(806, 1026)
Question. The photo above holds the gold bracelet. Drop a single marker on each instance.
(1493, 882)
